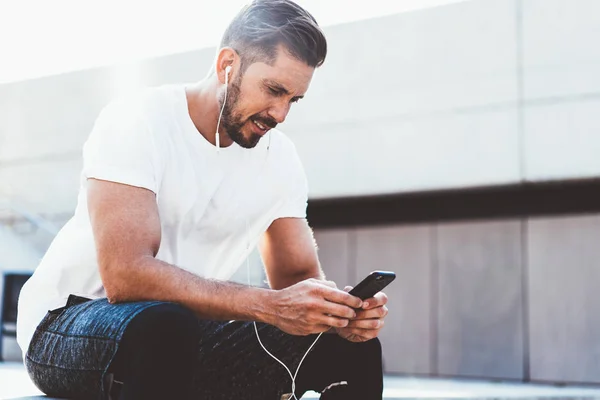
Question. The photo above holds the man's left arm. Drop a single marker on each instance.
(289, 252)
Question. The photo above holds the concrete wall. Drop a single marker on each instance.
(514, 299)
(475, 93)
(564, 271)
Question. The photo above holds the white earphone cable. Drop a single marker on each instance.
(217, 142)
(293, 377)
(217, 138)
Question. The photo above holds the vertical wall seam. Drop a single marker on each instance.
(519, 36)
(352, 256)
(434, 300)
(525, 298)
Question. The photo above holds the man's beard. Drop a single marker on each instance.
(233, 123)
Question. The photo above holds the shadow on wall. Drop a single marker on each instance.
(15, 252)
(24, 236)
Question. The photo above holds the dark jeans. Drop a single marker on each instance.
(161, 350)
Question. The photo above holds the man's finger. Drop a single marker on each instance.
(378, 312)
(378, 300)
(366, 324)
(333, 321)
(341, 297)
(338, 310)
(366, 334)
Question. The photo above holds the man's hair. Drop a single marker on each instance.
(261, 26)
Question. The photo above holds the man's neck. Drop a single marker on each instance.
(203, 108)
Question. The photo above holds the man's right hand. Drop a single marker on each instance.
(312, 306)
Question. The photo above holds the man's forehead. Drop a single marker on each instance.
(289, 75)
(286, 70)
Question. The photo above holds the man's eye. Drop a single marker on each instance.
(274, 92)
(294, 100)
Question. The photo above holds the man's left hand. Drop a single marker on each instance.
(368, 321)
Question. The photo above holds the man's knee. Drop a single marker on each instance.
(164, 325)
(373, 345)
(371, 350)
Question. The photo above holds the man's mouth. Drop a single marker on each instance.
(262, 127)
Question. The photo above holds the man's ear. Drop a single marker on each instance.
(227, 57)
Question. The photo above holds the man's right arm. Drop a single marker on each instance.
(127, 233)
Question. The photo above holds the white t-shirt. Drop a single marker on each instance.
(213, 206)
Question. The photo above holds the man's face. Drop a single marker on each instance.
(262, 97)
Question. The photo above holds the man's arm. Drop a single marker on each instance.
(127, 233)
(289, 253)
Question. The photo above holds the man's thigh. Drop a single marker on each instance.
(232, 364)
(74, 345)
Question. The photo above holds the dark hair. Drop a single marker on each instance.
(261, 26)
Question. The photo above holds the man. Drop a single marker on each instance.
(168, 209)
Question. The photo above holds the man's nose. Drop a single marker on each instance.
(279, 112)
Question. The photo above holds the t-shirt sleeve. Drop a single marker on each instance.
(295, 199)
(121, 148)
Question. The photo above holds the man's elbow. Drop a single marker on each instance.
(115, 281)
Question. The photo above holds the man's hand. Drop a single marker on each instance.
(368, 321)
(313, 306)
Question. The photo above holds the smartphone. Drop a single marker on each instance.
(372, 284)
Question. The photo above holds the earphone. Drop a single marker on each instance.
(217, 138)
(293, 377)
(217, 141)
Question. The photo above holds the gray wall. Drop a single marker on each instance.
(475, 93)
(506, 299)
(564, 272)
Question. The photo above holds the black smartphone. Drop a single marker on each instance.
(372, 284)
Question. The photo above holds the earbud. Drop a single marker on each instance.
(227, 71)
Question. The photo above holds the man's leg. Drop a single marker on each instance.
(227, 362)
(156, 355)
(231, 364)
(73, 346)
(157, 342)
(166, 352)
(340, 369)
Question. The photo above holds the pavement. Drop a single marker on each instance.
(14, 383)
